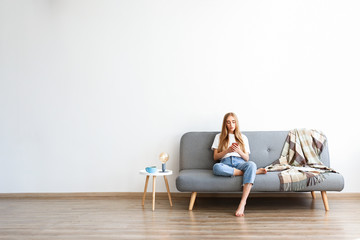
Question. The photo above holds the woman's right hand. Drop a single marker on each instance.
(230, 150)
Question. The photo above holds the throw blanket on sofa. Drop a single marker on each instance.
(300, 163)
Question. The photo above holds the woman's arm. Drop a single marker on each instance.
(219, 155)
(244, 156)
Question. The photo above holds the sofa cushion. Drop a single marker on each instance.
(203, 180)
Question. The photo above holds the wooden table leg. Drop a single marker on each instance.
(168, 190)
(145, 189)
(154, 181)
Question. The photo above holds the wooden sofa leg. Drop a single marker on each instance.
(192, 200)
(325, 200)
(313, 194)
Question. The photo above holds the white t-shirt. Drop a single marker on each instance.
(231, 141)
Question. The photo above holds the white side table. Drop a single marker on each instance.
(154, 175)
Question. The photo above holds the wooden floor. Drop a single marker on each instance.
(212, 218)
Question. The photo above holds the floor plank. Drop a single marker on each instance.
(212, 218)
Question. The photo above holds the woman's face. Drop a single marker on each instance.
(231, 124)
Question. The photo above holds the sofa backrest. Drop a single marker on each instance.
(265, 148)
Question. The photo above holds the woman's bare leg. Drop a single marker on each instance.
(246, 191)
(238, 172)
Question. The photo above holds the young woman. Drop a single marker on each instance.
(232, 149)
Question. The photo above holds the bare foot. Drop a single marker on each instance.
(240, 211)
(261, 171)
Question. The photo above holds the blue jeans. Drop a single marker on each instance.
(227, 165)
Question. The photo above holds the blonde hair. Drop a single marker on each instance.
(224, 135)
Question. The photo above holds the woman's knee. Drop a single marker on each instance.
(221, 169)
(217, 169)
(251, 165)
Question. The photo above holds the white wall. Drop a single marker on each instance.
(92, 91)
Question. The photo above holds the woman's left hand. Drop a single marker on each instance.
(236, 148)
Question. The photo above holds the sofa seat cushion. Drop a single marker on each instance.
(203, 180)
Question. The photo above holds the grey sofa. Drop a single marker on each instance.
(196, 162)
